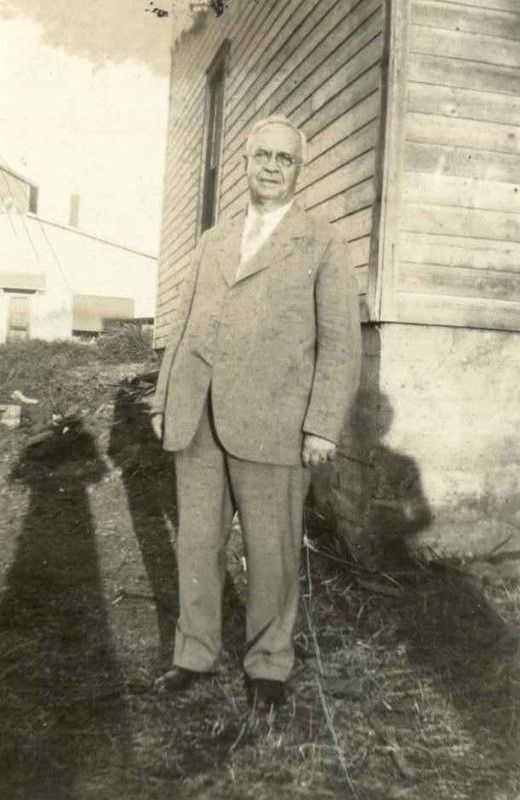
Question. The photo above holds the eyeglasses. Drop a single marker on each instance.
(263, 157)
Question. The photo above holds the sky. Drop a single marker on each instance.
(83, 108)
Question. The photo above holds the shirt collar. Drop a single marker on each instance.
(270, 216)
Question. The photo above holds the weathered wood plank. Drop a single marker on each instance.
(356, 225)
(492, 5)
(361, 141)
(172, 268)
(463, 103)
(176, 215)
(458, 281)
(179, 230)
(252, 37)
(457, 311)
(167, 267)
(267, 35)
(168, 297)
(459, 251)
(463, 192)
(358, 169)
(468, 19)
(463, 162)
(361, 275)
(359, 251)
(475, 75)
(275, 62)
(355, 119)
(446, 220)
(468, 46)
(184, 237)
(436, 129)
(353, 199)
(316, 108)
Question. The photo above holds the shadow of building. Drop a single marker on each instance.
(456, 640)
(61, 685)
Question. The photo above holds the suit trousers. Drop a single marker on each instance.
(211, 484)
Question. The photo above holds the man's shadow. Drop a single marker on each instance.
(448, 625)
(149, 480)
(148, 474)
(61, 685)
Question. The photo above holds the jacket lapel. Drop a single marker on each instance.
(280, 244)
(227, 251)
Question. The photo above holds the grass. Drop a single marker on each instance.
(405, 686)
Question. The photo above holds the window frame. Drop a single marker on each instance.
(213, 139)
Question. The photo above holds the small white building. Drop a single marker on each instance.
(57, 281)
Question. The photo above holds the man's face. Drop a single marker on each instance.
(273, 163)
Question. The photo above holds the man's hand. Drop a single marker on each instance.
(317, 451)
(157, 425)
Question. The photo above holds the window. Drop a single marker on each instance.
(214, 130)
(19, 317)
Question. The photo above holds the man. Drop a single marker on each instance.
(260, 371)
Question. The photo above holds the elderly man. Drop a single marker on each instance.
(259, 373)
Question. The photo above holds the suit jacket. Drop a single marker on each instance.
(280, 346)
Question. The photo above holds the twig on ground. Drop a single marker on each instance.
(396, 754)
(326, 711)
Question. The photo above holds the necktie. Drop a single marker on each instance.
(253, 238)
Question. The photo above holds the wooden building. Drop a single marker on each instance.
(412, 113)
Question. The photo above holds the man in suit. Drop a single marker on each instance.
(255, 383)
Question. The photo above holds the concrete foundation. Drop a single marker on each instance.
(430, 459)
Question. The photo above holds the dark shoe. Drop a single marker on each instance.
(264, 692)
(179, 679)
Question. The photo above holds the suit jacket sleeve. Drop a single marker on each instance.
(180, 320)
(338, 344)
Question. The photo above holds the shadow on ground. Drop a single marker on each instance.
(149, 479)
(62, 700)
(424, 648)
(148, 475)
(459, 692)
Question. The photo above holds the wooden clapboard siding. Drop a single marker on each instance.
(460, 282)
(297, 83)
(191, 58)
(457, 192)
(489, 5)
(465, 46)
(317, 61)
(460, 251)
(437, 71)
(461, 17)
(462, 162)
(311, 51)
(464, 104)
(456, 232)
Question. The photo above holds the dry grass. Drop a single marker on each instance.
(406, 684)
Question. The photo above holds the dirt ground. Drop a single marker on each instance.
(406, 683)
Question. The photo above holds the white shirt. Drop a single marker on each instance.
(257, 228)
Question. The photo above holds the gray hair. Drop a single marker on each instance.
(278, 119)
